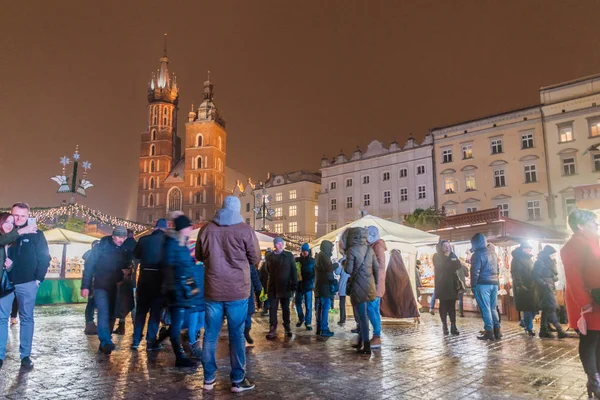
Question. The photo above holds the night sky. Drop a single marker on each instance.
(294, 79)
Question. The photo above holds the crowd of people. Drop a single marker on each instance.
(166, 278)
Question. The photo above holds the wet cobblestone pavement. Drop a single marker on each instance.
(415, 362)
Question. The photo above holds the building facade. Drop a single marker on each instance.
(194, 183)
(291, 199)
(496, 161)
(572, 126)
(386, 182)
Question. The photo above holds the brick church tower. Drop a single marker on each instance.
(194, 184)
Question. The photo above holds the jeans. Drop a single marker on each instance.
(178, 315)
(304, 298)
(589, 352)
(528, 319)
(363, 321)
(373, 310)
(448, 309)
(105, 301)
(15, 308)
(146, 304)
(195, 323)
(322, 311)
(26, 294)
(432, 302)
(487, 297)
(6, 303)
(342, 309)
(236, 313)
(90, 308)
(285, 312)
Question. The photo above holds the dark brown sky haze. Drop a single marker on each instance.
(294, 79)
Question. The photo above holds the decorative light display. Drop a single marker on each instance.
(64, 186)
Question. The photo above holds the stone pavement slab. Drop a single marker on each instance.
(415, 362)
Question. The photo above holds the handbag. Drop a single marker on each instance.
(6, 285)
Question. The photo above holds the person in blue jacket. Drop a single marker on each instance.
(255, 288)
(306, 285)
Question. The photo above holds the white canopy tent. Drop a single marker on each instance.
(264, 241)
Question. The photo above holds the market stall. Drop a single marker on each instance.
(63, 279)
(505, 234)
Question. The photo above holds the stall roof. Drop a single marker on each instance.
(497, 229)
(63, 236)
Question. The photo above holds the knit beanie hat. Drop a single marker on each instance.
(182, 222)
(305, 247)
(278, 240)
(120, 231)
(161, 224)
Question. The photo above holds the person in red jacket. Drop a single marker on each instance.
(581, 259)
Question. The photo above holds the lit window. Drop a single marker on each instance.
(504, 210)
(293, 211)
(496, 146)
(447, 155)
(387, 197)
(420, 170)
(278, 196)
(404, 194)
(293, 227)
(403, 173)
(316, 211)
(366, 200)
(534, 212)
(450, 185)
(292, 194)
(568, 166)
(530, 174)
(386, 176)
(499, 178)
(349, 202)
(349, 182)
(527, 140)
(565, 133)
(153, 134)
(450, 211)
(467, 151)
(278, 227)
(333, 204)
(332, 185)
(278, 212)
(470, 183)
(199, 163)
(366, 179)
(422, 192)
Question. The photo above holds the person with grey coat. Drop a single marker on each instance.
(545, 276)
(362, 266)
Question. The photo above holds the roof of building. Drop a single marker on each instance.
(293, 177)
(502, 114)
(177, 173)
(571, 82)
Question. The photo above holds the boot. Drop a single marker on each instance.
(366, 348)
(163, 334)
(120, 329)
(288, 330)
(445, 329)
(561, 333)
(454, 330)
(248, 337)
(530, 333)
(497, 333)
(358, 345)
(181, 361)
(196, 353)
(544, 334)
(272, 333)
(90, 329)
(488, 335)
(299, 324)
(593, 385)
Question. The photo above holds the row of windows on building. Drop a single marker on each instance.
(154, 166)
(385, 176)
(567, 134)
(496, 147)
(157, 110)
(451, 183)
(534, 210)
(292, 195)
(386, 198)
(292, 227)
(292, 211)
(175, 199)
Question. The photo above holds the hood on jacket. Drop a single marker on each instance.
(230, 213)
(478, 242)
(326, 247)
(547, 251)
(356, 237)
(519, 253)
(372, 234)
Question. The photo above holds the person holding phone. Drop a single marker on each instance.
(31, 258)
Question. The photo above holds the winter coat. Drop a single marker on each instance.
(30, 256)
(5, 239)
(379, 248)
(445, 270)
(105, 265)
(343, 277)
(521, 269)
(484, 263)
(227, 252)
(545, 275)
(283, 275)
(183, 282)
(324, 270)
(149, 250)
(255, 288)
(361, 265)
(581, 258)
(307, 273)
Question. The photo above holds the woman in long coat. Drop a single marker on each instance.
(545, 276)
(446, 264)
(521, 269)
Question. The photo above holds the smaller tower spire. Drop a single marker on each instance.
(165, 48)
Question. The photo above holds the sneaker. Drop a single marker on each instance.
(134, 346)
(107, 348)
(14, 321)
(375, 342)
(242, 386)
(209, 385)
(154, 346)
(299, 324)
(26, 364)
(308, 328)
(327, 333)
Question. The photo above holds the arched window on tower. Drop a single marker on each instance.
(198, 163)
(197, 198)
(151, 200)
(153, 136)
(152, 150)
(199, 141)
(152, 184)
(165, 121)
(175, 197)
(152, 167)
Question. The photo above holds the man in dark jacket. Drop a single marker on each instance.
(90, 308)
(126, 291)
(283, 281)
(149, 250)
(323, 275)
(545, 276)
(104, 269)
(484, 283)
(521, 269)
(304, 293)
(31, 259)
